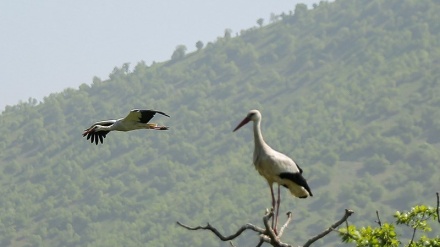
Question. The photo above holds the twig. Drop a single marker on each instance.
(269, 236)
(232, 244)
(219, 235)
(260, 243)
(378, 219)
(347, 214)
(414, 234)
(269, 230)
(438, 206)
(346, 227)
(289, 218)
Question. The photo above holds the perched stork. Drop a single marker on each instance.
(274, 166)
(136, 119)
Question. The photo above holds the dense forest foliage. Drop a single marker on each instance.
(349, 89)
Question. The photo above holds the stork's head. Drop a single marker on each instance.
(253, 115)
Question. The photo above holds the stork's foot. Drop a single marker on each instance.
(154, 126)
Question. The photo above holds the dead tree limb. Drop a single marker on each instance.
(268, 235)
(260, 243)
(347, 214)
(378, 219)
(219, 235)
(289, 218)
(438, 206)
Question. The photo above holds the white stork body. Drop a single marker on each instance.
(136, 119)
(274, 166)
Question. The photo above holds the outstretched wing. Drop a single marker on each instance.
(142, 116)
(96, 136)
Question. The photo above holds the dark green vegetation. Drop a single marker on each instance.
(418, 219)
(349, 89)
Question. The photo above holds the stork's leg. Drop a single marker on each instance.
(154, 126)
(273, 205)
(278, 209)
(273, 197)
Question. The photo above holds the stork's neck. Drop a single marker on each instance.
(258, 137)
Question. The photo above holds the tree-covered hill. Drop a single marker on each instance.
(350, 89)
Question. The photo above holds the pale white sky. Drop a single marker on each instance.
(49, 45)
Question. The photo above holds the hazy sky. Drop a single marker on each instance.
(49, 45)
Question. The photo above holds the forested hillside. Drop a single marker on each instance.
(349, 89)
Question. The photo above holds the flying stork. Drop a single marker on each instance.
(274, 166)
(136, 119)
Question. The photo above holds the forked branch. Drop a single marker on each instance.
(219, 235)
(268, 235)
(344, 218)
(378, 219)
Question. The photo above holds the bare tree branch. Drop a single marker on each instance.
(438, 205)
(219, 235)
(378, 219)
(289, 218)
(347, 214)
(414, 234)
(267, 235)
(269, 230)
(260, 243)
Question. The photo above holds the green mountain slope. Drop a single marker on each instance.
(349, 89)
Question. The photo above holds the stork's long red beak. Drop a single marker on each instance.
(245, 121)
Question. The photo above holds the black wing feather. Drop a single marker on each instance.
(296, 178)
(96, 137)
(300, 170)
(147, 115)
